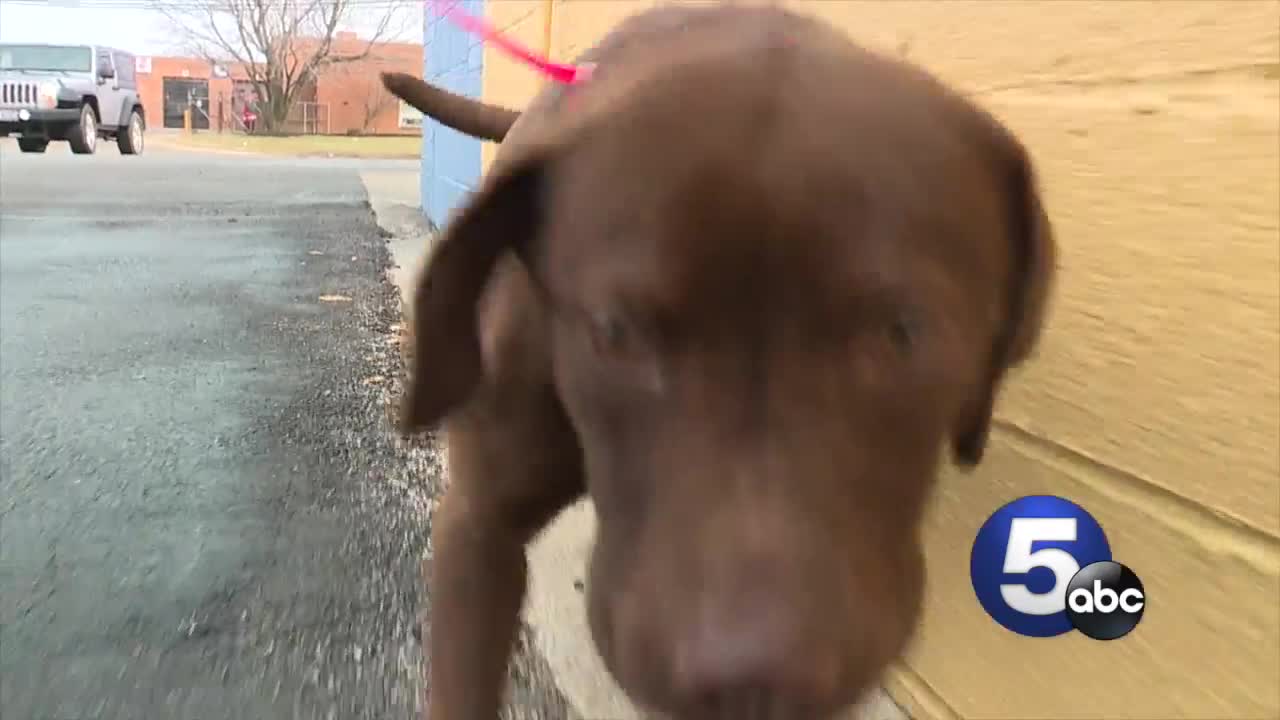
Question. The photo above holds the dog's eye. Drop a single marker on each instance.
(626, 347)
(608, 334)
(901, 334)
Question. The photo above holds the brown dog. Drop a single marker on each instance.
(741, 288)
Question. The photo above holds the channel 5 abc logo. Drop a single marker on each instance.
(1041, 566)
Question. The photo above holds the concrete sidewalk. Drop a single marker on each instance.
(554, 610)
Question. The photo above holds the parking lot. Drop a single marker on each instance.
(203, 513)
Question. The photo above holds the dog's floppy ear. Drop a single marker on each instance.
(505, 214)
(1033, 253)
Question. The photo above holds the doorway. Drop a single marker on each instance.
(178, 93)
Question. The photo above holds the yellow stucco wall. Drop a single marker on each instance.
(1155, 402)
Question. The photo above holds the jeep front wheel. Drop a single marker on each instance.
(129, 139)
(32, 145)
(84, 137)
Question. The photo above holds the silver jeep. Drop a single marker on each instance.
(77, 93)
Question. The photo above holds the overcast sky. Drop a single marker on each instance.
(129, 25)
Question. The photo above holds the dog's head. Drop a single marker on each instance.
(780, 288)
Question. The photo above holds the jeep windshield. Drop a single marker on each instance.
(52, 58)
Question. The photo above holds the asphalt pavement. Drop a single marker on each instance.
(203, 512)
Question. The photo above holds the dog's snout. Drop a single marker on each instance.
(754, 665)
(720, 657)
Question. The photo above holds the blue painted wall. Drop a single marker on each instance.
(454, 60)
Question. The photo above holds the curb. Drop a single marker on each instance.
(532, 690)
(178, 145)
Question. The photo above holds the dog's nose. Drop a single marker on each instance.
(754, 666)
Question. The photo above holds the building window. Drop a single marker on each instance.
(410, 116)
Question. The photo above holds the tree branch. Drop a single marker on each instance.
(279, 45)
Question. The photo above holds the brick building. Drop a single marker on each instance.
(164, 83)
(352, 94)
(344, 98)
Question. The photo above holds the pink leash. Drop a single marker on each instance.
(560, 72)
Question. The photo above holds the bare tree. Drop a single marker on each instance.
(280, 45)
(376, 101)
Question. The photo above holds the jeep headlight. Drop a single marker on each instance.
(47, 96)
